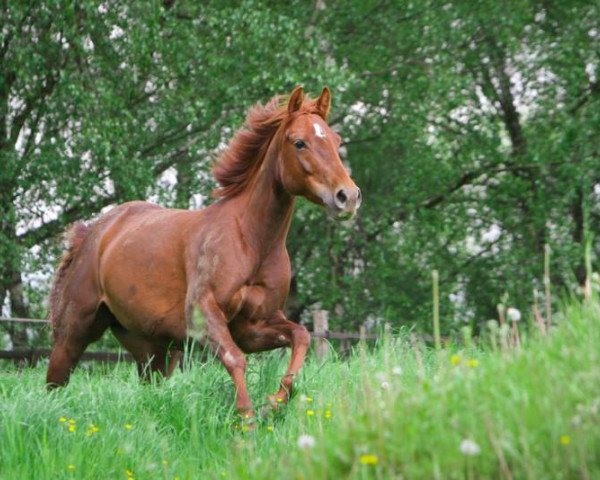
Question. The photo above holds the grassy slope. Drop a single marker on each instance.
(534, 414)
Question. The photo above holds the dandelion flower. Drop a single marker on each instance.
(270, 428)
(72, 428)
(327, 414)
(62, 420)
(368, 459)
(310, 413)
(128, 426)
(469, 448)
(513, 314)
(306, 441)
(455, 360)
(473, 363)
(565, 440)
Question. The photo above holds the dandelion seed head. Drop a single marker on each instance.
(385, 385)
(513, 314)
(397, 371)
(469, 448)
(306, 441)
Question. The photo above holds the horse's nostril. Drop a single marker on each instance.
(341, 196)
(358, 194)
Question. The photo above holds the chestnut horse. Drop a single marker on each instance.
(157, 277)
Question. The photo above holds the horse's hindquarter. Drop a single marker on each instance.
(142, 270)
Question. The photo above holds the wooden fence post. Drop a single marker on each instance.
(321, 326)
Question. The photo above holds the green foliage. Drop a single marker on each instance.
(396, 409)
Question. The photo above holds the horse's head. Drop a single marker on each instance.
(310, 163)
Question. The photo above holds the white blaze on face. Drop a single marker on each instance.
(319, 132)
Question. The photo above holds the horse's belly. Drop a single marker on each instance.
(146, 295)
(149, 314)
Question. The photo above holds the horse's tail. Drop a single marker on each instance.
(73, 237)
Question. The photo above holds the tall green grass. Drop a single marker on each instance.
(398, 410)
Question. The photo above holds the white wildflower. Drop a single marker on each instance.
(306, 441)
(116, 32)
(513, 314)
(469, 447)
(385, 385)
(397, 371)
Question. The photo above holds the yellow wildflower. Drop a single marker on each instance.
(565, 440)
(270, 428)
(368, 459)
(72, 421)
(327, 414)
(128, 426)
(70, 467)
(310, 413)
(72, 428)
(455, 360)
(309, 399)
(473, 363)
(62, 420)
(129, 473)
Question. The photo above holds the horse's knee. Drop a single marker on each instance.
(301, 336)
(233, 360)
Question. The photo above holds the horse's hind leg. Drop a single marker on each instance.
(78, 328)
(148, 356)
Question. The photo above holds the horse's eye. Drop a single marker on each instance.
(299, 144)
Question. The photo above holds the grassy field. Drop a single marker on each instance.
(396, 411)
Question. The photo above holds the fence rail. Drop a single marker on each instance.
(320, 336)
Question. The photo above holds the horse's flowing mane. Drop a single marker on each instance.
(242, 158)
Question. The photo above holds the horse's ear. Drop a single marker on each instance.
(324, 103)
(296, 99)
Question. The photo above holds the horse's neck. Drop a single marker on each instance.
(268, 208)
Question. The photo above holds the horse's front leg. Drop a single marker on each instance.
(274, 333)
(213, 330)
